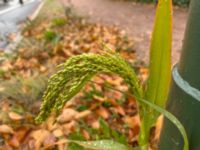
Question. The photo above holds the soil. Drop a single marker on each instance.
(134, 18)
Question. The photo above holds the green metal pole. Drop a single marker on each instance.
(184, 96)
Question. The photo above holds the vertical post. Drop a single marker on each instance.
(184, 96)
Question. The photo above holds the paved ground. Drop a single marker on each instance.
(11, 15)
(136, 19)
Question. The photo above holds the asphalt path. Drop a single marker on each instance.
(12, 15)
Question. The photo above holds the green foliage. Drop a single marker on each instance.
(104, 132)
(2, 73)
(57, 22)
(76, 136)
(51, 36)
(172, 118)
(167, 114)
(109, 133)
(102, 145)
(160, 55)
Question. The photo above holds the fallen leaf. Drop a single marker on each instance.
(14, 142)
(103, 112)
(86, 134)
(21, 133)
(39, 135)
(120, 110)
(58, 133)
(50, 123)
(83, 114)
(14, 116)
(61, 147)
(95, 124)
(69, 127)
(6, 147)
(31, 144)
(43, 69)
(132, 122)
(100, 99)
(67, 115)
(69, 104)
(6, 129)
(49, 140)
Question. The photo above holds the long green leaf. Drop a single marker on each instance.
(159, 109)
(160, 67)
(172, 118)
(103, 145)
(160, 54)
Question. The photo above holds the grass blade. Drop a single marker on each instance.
(161, 110)
(102, 145)
(172, 118)
(160, 67)
(160, 54)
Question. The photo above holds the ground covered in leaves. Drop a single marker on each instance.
(98, 112)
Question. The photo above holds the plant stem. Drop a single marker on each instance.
(148, 119)
(144, 134)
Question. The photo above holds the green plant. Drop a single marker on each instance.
(79, 70)
(2, 73)
(51, 36)
(57, 22)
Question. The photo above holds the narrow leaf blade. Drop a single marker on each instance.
(161, 110)
(160, 54)
(102, 145)
(172, 118)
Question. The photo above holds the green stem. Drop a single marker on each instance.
(144, 133)
(147, 121)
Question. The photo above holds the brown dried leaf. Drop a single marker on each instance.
(39, 135)
(14, 116)
(49, 140)
(103, 112)
(50, 123)
(86, 134)
(132, 122)
(100, 99)
(120, 110)
(5, 129)
(58, 133)
(6, 147)
(67, 115)
(83, 114)
(21, 133)
(95, 124)
(14, 142)
(69, 127)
